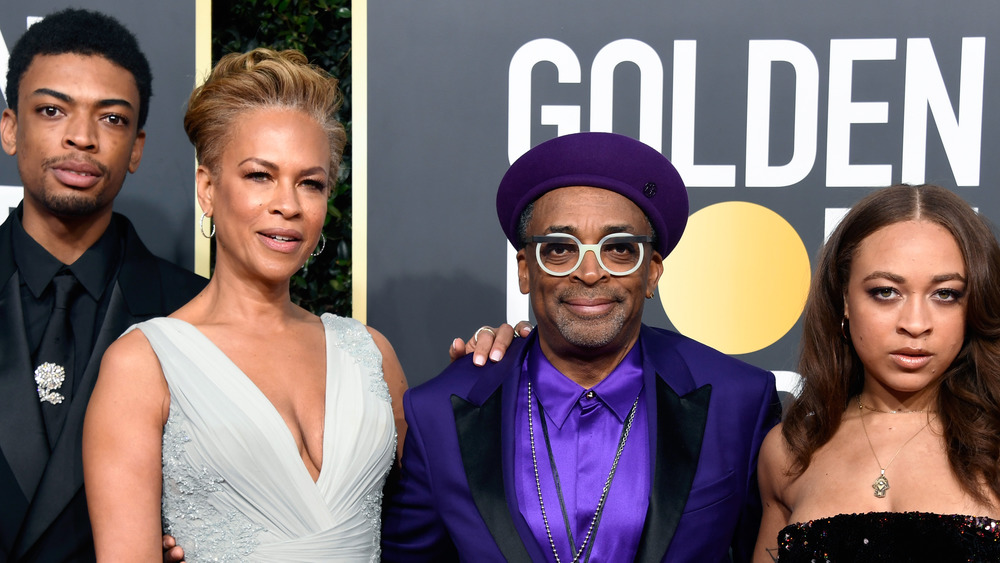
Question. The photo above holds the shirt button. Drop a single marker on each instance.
(590, 394)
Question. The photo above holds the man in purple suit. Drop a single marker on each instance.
(596, 438)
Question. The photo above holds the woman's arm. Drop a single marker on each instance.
(772, 467)
(122, 443)
(392, 371)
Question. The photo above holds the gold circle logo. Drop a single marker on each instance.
(738, 280)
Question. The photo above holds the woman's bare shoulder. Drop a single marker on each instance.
(391, 368)
(774, 442)
(130, 369)
(130, 381)
(775, 459)
(131, 352)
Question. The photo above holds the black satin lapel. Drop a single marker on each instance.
(680, 429)
(138, 279)
(63, 476)
(479, 441)
(116, 321)
(22, 432)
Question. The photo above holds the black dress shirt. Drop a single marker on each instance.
(96, 270)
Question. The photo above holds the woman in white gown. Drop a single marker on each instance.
(249, 428)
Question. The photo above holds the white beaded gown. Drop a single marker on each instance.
(234, 485)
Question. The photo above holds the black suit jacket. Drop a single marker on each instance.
(43, 510)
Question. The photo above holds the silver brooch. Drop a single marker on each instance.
(49, 377)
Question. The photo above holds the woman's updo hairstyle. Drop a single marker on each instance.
(261, 79)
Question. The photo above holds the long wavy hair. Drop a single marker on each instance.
(969, 399)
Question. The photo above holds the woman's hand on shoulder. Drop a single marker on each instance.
(488, 342)
(773, 478)
(392, 371)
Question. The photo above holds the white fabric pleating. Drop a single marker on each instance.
(234, 485)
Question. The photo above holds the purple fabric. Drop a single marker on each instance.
(584, 433)
(601, 160)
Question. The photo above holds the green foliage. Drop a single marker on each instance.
(322, 30)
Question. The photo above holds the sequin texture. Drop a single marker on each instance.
(891, 536)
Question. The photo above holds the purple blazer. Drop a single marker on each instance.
(455, 499)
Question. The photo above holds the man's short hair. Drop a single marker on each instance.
(81, 32)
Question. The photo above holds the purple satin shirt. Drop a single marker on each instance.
(584, 429)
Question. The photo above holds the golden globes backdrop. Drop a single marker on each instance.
(159, 197)
(778, 114)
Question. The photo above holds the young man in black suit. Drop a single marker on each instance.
(78, 91)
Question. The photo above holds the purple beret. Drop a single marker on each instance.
(600, 160)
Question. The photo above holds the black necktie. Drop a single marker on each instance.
(54, 361)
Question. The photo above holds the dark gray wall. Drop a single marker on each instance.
(438, 130)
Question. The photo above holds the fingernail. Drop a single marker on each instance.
(479, 360)
(495, 355)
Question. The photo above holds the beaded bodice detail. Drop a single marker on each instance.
(217, 534)
(234, 485)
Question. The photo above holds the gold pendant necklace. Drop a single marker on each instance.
(881, 483)
(901, 411)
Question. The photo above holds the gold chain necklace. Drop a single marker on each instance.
(881, 484)
(900, 411)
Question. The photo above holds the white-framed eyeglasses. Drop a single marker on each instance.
(560, 254)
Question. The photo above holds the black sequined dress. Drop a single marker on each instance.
(891, 536)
